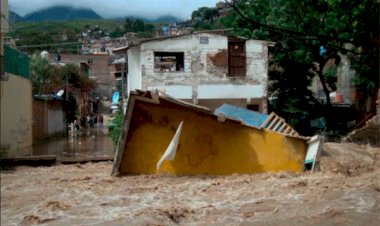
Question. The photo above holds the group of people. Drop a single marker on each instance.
(90, 121)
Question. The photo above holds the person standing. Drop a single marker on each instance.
(88, 120)
(101, 119)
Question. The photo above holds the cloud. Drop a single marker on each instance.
(118, 8)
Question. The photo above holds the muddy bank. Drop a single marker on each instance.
(346, 192)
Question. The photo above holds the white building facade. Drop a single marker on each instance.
(202, 68)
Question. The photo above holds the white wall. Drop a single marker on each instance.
(230, 91)
(134, 69)
(205, 68)
(195, 58)
(180, 92)
(257, 60)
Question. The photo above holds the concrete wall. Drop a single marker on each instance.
(56, 121)
(49, 119)
(206, 146)
(205, 69)
(16, 115)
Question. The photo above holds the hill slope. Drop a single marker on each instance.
(61, 13)
(14, 17)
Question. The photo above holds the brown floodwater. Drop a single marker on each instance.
(87, 144)
(346, 191)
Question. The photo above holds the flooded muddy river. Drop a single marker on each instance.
(345, 192)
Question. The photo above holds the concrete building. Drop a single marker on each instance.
(204, 68)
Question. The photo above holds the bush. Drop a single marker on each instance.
(115, 126)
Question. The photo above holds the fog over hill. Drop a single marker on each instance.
(66, 13)
(111, 9)
(61, 13)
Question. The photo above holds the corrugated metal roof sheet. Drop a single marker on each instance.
(278, 124)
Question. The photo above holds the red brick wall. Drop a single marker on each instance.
(99, 66)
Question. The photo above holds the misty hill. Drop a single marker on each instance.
(61, 13)
(163, 19)
(14, 17)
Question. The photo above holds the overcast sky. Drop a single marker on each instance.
(118, 8)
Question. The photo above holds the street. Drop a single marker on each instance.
(88, 143)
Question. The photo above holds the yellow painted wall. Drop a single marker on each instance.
(206, 146)
(16, 115)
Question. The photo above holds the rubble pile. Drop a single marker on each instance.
(369, 134)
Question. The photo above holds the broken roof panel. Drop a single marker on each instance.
(246, 116)
(256, 119)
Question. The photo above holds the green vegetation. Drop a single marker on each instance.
(41, 74)
(116, 126)
(47, 78)
(204, 18)
(300, 29)
(42, 33)
(74, 33)
(145, 30)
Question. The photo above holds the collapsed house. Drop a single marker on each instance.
(162, 134)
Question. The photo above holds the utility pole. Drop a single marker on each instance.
(123, 85)
(67, 93)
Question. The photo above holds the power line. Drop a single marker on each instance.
(51, 44)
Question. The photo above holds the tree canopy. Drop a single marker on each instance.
(308, 36)
(47, 78)
(205, 18)
(139, 26)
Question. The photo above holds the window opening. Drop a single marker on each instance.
(168, 61)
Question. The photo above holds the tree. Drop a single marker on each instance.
(41, 72)
(308, 35)
(128, 26)
(139, 26)
(47, 78)
(204, 18)
(74, 77)
(117, 32)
